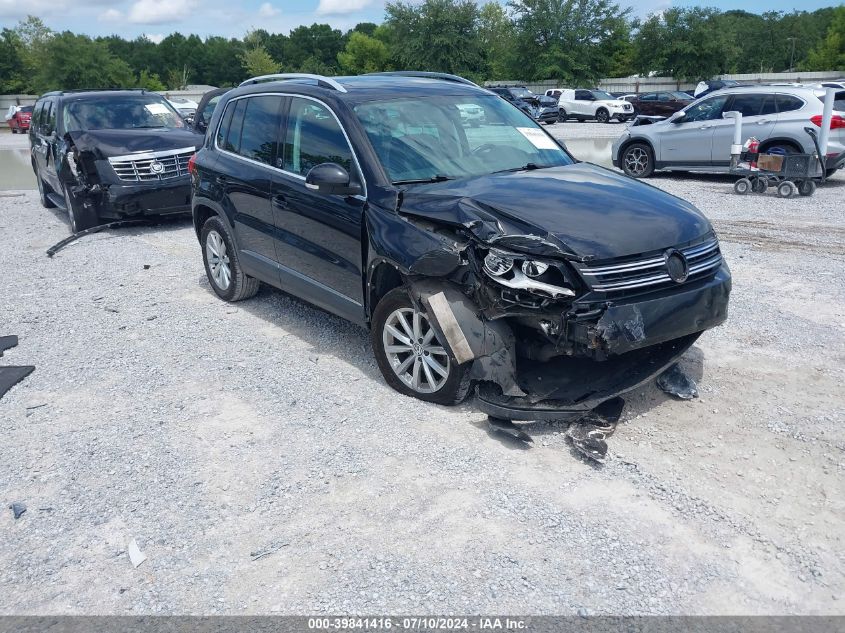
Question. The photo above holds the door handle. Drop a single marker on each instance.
(762, 121)
(279, 202)
(221, 180)
(704, 127)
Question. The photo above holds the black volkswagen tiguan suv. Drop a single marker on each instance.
(483, 256)
(111, 154)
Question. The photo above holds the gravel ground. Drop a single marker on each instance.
(213, 433)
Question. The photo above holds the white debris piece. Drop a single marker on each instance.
(135, 554)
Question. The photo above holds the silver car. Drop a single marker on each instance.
(698, 138)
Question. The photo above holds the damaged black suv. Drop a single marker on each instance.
(482, 256)
(111, 154)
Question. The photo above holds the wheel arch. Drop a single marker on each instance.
(781, 140)
(637, 140)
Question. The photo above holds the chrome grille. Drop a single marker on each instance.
(152, 166)
(651, 271)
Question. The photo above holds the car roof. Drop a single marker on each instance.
(97, 93)
(368, 87)
(801, 90)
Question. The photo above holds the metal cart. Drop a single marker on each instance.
(796, 173)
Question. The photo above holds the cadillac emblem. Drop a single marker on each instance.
(677, 266)
(156, 167)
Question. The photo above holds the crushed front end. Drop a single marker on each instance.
(551, 335)
(127, 185)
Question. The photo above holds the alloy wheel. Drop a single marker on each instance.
(413, 351)
(218, 260)
(636, 161)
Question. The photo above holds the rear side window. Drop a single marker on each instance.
(225, 125)
(583, 95)
(753, 105)
(649, 97)
(788, 103)
(313, 137)
(233, 135)
(260, 129)
(48, 117)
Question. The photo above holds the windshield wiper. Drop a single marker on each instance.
(526, 167)
(414, 181)
(146, 127)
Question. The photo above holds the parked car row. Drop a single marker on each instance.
(477, 251)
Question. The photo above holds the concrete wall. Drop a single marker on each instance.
(7, 100)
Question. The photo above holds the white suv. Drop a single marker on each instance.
(592, 104)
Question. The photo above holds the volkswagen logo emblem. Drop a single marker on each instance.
(156, 167)
(677, 266)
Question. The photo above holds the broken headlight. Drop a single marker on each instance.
(71, 163)
(523, 273)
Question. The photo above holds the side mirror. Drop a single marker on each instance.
(679, 118)
(331, 179)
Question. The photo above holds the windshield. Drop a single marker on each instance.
(601, 95)
(522, 93)
(120, 113)
(449, 137)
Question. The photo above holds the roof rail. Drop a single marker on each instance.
(324, 82)
(425, 75)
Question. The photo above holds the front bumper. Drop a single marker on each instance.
(639, 338)
(162, 197)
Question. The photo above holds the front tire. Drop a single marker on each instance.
(602, 116)
(562, 116)
(42, 192)
(222, 263)
(638, 160)
(410, 356)
(80, 216)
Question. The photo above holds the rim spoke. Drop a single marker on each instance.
(397, 349)
(417, 330)
(403, 322)
(398, 335)
(430, 362)
(405, 364)
(439, 351)
(428, 336)
(415, 376)
(428, 375)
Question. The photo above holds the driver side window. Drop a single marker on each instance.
(313, 137)
(707, 110)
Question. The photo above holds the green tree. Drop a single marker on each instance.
(569, 40)
(76, 61)
(150, 81)
(363, 54)
(829, 54)
(437, 35)
(12, 72)
(682, 43)
(496, 39)
(257, 61)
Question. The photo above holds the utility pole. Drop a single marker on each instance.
(792, 55)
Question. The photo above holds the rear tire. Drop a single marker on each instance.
(80, 216)
(421, 359)
(223, 264)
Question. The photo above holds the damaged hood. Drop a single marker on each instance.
(580, 210)
(106, 143)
